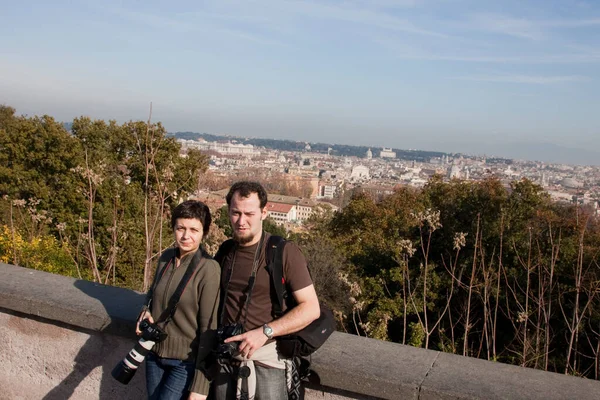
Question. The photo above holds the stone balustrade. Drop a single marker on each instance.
(61, 337)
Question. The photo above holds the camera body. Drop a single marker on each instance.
(152, 331)
(227, 350)
(126, 368)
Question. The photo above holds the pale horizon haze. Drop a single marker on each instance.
(509, 78)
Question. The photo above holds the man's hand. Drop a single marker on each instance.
(145, 315)
(196, 396)
(249, 341)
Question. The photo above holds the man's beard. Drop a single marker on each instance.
(243, 239)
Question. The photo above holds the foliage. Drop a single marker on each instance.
(105, 189)
(221, 219)
(474, 268)
(44, 253)
(269, 225)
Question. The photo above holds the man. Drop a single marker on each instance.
(250, 304)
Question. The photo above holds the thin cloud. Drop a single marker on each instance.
(542, 59)
(155, 21)
(579, 23)
(525, 28)
(525, 79)
(370, 17)
(389, 3)
(576, 54)
(185, 23)
(509, 26)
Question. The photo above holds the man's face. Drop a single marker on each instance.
(246, 218)
(188, 234)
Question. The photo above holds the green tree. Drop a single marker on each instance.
(222, 221)
(36, 161)
(269, 225)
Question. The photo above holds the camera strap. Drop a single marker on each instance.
(169, 312)
(155, 283)
(251, 280)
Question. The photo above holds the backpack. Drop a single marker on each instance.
(306, 341)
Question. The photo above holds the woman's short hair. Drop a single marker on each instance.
(192, 209)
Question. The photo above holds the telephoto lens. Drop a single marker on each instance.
(126, 369)
(151, 334)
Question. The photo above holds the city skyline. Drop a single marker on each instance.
(547, 153)
(518, 79)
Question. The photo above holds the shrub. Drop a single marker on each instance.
(43, 253)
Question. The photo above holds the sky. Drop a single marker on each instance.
(473, 76)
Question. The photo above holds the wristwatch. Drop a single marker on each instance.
(268, 331)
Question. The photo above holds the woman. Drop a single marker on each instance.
(174, 367)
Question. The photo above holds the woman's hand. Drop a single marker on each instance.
(196, 396)
(143, 315)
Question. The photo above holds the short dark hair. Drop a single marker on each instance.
(245, 189)
(192, 209)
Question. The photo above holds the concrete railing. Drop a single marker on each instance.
(61, 337)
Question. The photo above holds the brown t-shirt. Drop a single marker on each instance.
(295, 273)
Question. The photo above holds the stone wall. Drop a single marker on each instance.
(43, 360)
(61, 337)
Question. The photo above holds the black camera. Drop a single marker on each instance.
(152, 331)
(227, 350)
(151, 334)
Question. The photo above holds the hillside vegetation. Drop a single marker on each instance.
(471, 268)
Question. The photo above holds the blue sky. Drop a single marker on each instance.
(450, 75)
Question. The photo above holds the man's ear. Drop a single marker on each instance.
(263, 214)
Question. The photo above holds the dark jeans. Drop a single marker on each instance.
(270, 384)
(168, 379)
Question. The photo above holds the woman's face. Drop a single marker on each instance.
(188, 235)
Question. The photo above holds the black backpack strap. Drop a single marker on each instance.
(224, 250)
(274, 257)
(222, 257)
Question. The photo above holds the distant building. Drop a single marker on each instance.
(280, 212)
(369, 154)
(571, 183)
(302, 207)
(544, 180)
(360, 172)
(428, 172)
(454, 172)
(560, 196)
(376, 191)
(510, 172)
(223, 148)
(303, 211)
(327, 191)
(347, 163)
(387, 153)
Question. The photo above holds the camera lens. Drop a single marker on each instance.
(244, 372)
(126, 369)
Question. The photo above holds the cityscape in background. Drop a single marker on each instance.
(324, 177)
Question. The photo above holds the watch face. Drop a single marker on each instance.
(268, 331)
